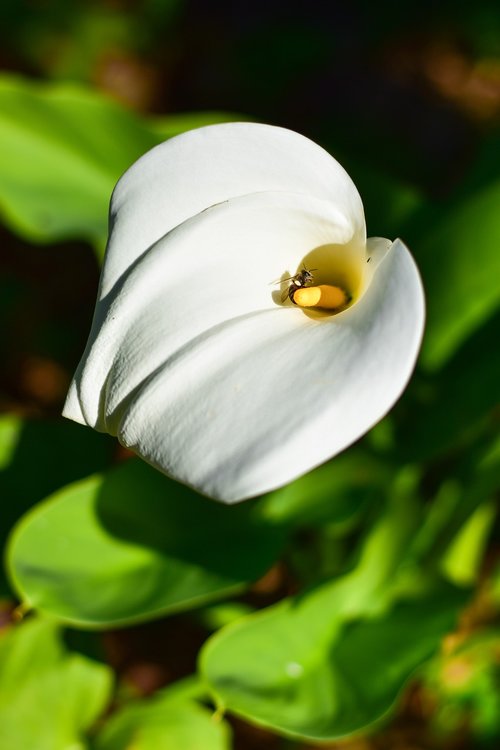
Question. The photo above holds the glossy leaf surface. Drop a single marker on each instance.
(328, 662)
(48, 697)
(164, 724)
(132, 545)
(62, 148)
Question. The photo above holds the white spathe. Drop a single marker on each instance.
(192, 360)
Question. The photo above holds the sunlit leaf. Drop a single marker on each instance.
(38, 456)
(132, 545)
(62, 149)
(331, 661)
(303, 670)
(48, 697)
(26, 651)
(463, 559)
(161, 723)
(10, 429)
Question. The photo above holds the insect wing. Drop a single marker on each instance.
(285, 294)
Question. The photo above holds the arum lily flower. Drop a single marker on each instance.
(245, 329)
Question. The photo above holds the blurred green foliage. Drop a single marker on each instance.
(64, 693)
(373, 558)
(164, 723)
(62, 150)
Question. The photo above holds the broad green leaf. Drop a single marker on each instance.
(131, 545)
(37, 457)
(459, 260)
(333, 660)
(27, 650)
(305, 670)
(48, 697)
(162, 723)
(62, 149)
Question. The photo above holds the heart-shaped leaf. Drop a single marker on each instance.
(132, 545)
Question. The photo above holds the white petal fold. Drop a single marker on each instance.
(193, 362)
(198, 169)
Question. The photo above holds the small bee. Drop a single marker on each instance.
(301, 279)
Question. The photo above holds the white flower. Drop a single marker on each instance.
(194, 361)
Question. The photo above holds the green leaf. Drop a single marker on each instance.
(10, 430)
(62, 149)
(37, 457)
(216, 616)
(48, 697)
(27, 650)
(132, 545)
(463, 558)
(162, 723)
(333, 660)
(333, 493)
(306, 671)
(459, 260)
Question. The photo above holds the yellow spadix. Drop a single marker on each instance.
(325, 296)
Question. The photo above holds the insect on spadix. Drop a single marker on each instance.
(301, 279)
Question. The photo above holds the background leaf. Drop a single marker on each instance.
(334, 659)
(132, 545)
(48, 697)
(62, 149)
(280, 669)
(36, 455)
(458, 257)
(163, 723)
